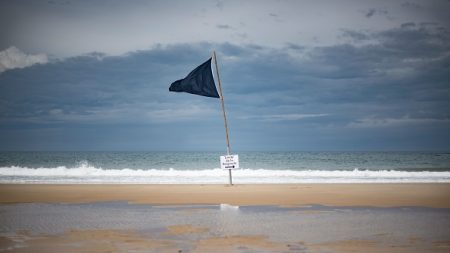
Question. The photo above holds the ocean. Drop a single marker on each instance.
(204, 167)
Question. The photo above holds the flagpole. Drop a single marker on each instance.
(224, 114)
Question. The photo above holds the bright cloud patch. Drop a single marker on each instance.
(12, 58)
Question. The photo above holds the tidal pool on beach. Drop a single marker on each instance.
(185, 225)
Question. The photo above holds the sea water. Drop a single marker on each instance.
(204, 167)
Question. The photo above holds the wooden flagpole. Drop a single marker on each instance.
(224, 115)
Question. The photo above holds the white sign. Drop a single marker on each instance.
(229, 162)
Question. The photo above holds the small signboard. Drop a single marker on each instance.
(229, 162)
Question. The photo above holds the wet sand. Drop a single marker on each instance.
(189, 218)
(380, 195)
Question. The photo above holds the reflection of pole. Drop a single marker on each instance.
(224, 114)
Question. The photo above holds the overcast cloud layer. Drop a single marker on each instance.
(300, 75)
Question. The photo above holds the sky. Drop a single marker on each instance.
(297, 75)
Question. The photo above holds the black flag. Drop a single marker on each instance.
(199, 82)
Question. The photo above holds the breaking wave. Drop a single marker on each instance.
(85, 174)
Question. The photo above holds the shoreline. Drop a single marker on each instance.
(434, 195)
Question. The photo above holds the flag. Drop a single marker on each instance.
(199, 82)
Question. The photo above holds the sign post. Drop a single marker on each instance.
(225, 123)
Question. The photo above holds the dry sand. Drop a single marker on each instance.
(381, 195)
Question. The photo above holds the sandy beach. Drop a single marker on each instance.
(377, 195)
(256, 218)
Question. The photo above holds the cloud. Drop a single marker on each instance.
(295, 47)
(12, 58)
(371, 12)
(324, 97)
(220, 5)
(405, 121)
(283, 117)
(355, 35)
(340, 74)
(275, 17)
(221, 26)
(99, 89)
(408, 25)
(411, 5)
(80, 27)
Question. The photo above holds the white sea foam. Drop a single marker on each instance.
(89, 174)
